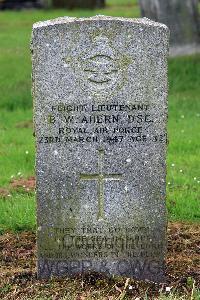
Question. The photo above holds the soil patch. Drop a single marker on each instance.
(4, 193)
(25, 184)
(18, 271)
(21, 185)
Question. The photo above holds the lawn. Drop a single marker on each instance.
(17, 204)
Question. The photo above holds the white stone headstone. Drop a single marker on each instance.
(100, 114)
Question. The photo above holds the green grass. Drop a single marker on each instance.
(17, 213)
(15, 142)
(183, 190)
(184, 139)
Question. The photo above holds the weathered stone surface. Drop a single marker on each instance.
(71, 4)
(182, 18)
(100, 113)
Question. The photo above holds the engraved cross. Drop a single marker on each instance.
(101, 178)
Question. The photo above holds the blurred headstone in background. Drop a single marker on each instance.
(71, 4)
(20, 4)
(182, 18)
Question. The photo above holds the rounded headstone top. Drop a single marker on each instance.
(65, 20)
